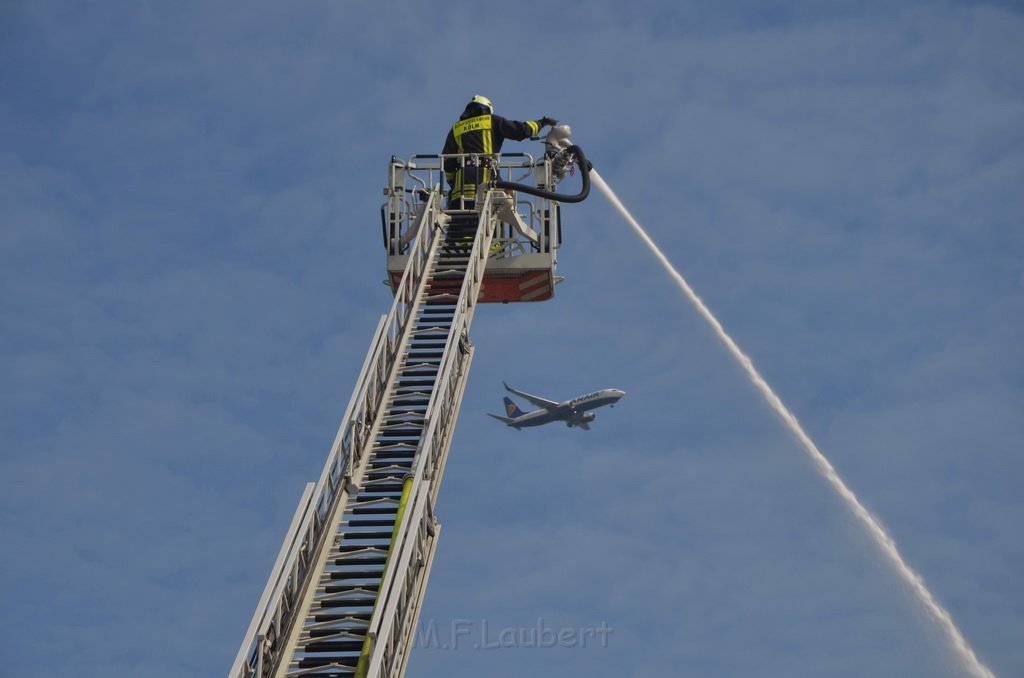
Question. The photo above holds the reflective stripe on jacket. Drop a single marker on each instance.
(483, 134)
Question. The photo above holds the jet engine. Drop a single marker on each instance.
(585, 418)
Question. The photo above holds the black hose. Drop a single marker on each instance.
(581, 162)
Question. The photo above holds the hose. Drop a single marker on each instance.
(581, 162)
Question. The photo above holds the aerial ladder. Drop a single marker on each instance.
(344, 595)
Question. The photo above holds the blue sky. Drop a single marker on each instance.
(190, 273)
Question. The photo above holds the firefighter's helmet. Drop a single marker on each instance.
(483, 101)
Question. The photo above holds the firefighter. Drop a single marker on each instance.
(479, 130)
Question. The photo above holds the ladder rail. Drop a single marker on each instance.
(271, 618)
(281, 624)
(262, 647)
(398, 325)
(412, 291)
(272, 591)
(394, 616)
(407, 636)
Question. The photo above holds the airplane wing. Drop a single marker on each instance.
(536, 400)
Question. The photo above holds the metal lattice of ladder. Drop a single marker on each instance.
(345, 594)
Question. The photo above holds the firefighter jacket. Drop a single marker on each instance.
(482, 134)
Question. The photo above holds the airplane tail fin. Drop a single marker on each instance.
(511, 409)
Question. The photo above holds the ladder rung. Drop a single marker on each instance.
(344, 549)
(369, 522)
(356, 574)
(326, 662)
(342, 588)
(366, 535)
(330, 616)
(395, 454)
(373, 510)
(335, 603)
(334, 646)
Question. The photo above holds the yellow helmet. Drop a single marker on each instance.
(483, 101)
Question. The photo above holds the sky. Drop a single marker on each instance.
(191, 271)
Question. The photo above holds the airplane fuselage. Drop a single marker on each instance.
(573, 412)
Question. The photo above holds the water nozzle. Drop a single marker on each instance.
(558, 138)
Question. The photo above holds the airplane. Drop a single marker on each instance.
(573, 412)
